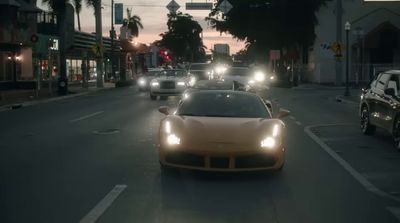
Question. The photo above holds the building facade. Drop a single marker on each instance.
(374, 40)
(17, 36)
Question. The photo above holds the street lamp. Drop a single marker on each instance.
(347, 27)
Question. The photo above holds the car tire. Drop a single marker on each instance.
(396, 133)
(153, 97)
(163, 98)
(366, 127)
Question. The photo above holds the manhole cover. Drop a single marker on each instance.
(106, 132)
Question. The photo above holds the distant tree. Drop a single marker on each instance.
(78, 9)
(183, 37)
(133, 23)
(269, 24)
(59, 7)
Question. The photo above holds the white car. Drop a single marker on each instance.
(244, 75)
(171, 83)
(145, 79)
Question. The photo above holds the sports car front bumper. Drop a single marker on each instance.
(224, 162)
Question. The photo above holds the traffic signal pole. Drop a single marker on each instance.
(339, 27)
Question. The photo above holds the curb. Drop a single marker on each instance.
(339, 98)
(44, 101)
(353, 172)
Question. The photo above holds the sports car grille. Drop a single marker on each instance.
(182, 158)
(167, 85)
(241, 162)
(219, 162)
(254, 161)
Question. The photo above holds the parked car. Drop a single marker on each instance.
(145, 79)
(222, 131)
(380, 105)
(171, 82)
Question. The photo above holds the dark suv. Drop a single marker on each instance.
(380, 105)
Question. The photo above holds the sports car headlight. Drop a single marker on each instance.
(142, 81)
(172, 139)
(259, 76)
(181, 83)
(155, 84)
(251, 82)
(268, 142)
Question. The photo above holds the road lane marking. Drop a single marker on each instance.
(86, 116)
(359, 177)
(101, 207)
(292, 117)
(299, 123)
(395, 211)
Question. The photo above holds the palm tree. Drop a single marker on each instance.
(96, 4)
(78, 9)
(134, 23)
(59, 8)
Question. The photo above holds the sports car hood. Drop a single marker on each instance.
(221, 130)
(241, 79)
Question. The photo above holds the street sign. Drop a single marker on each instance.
(199, 6)
(225, 7)
(337, 48)
(119, 13)
(274, 54)
(173, 7)
(98, 50)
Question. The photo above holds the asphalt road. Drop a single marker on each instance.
(93, 159)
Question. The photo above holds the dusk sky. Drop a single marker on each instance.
(154, 17)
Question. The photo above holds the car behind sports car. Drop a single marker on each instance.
(222, 131)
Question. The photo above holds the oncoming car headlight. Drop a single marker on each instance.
(181, 83)
(154, 84)
(259, 76)
(142, 81)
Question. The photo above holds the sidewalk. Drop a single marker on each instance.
(12, 99)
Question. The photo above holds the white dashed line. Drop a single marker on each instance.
(299, 123)
(101, 207)
(292, 117)
(353, 172)
(86, 116)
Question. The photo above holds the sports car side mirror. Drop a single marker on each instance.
(283, 113)
(164, 110)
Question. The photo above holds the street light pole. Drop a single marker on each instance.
(112, 35)
(347, 27)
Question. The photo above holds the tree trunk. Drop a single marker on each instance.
(62, 90)
(99, 41)
(79, 20)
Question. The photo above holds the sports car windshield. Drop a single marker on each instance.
(224, 104)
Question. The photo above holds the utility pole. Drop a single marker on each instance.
(338, 65)
(112, 35)
(347, 28)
